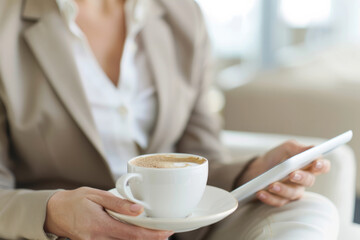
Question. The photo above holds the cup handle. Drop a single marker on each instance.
(123, 188)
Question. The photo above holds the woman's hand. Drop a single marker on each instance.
(80, 214)
(291, 188)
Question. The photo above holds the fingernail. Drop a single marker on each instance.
(319, 165)
(276, 188)
(136, 208)
(262, 196)
(296, 177)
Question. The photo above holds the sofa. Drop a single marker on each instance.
(338, 185)
(316, 96)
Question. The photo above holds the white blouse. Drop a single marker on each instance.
(125, 114)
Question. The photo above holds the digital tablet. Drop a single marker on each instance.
(247, 191)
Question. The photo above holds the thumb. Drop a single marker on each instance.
(303, 148)
(116, 204)
(294, 148)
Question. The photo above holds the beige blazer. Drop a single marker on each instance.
(48, 139)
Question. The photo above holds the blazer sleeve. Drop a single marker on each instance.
(22, 212)
(201, 135)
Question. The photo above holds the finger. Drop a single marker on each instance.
(116, 204)
(288, 191)
(319, 166)
(303, 178)
(107, 227)
(271, 199)
(121, 230)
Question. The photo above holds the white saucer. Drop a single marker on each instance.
(215, 205)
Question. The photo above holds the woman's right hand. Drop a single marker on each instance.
(80, 214)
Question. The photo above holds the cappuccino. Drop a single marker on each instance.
(168, 161)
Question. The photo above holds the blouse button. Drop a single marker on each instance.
(122, 110)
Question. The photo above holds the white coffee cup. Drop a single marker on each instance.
(171, 191)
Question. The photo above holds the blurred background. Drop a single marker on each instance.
(288, 67)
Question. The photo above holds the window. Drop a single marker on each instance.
(250, 35)
(252, 30)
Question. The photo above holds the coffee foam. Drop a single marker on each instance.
(167, 161)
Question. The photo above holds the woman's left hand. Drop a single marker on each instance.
(291, 188)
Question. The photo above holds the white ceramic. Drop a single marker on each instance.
(165, 192)
(215, 205)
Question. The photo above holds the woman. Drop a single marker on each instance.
(88, 84)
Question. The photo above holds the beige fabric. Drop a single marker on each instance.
(48, 139)
(312, 217)
(303, 219)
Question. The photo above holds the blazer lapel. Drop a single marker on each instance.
(50, 42)
(159, 52)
